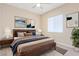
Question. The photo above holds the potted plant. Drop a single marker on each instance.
(75, 38)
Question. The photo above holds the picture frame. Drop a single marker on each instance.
(21, 22)
(72, 20)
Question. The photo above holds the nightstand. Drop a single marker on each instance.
(5, 42)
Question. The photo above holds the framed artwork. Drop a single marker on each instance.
(72, 20)
(21, 22)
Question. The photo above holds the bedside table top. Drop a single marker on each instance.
(6, 39)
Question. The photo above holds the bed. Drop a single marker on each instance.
(31, 44)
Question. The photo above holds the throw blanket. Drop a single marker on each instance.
(17, 42)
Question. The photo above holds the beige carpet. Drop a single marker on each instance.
(70, 52)
(7, 52)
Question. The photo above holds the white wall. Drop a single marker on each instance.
(7, 14)
(59, 37)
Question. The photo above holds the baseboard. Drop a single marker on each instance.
(64, 45)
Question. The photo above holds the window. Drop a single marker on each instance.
(55, 24)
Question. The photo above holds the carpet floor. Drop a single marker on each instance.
(58, 52)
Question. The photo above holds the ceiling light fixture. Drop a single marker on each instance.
(38, 5)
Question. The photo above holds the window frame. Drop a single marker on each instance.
(62, 24)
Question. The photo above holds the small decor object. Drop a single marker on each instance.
(39, 32)
(72, 20)
(30, 23)
(75, 38)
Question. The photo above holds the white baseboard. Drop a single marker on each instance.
(64, 45)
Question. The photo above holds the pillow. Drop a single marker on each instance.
(27, 34)
(16, 38)
(20, 34)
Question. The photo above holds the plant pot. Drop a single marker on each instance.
(76, 49)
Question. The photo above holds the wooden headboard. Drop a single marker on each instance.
(15, 31)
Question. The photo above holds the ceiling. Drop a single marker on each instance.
(45, 7)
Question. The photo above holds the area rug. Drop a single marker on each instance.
(61, 50)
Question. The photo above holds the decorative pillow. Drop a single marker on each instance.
(16, 38)
(27, 34)
(20, 34)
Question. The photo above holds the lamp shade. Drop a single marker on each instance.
(8, 33)
(39, 30)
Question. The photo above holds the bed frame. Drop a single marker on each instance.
(35, 51)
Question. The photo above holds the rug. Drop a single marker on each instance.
(61, 50)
